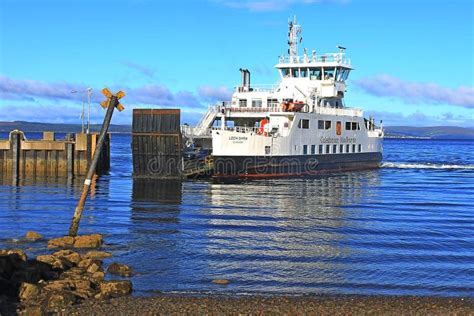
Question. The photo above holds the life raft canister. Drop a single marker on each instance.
(261, 129)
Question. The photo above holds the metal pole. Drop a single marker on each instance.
(89, 92)
(82, 116)
(85, 190)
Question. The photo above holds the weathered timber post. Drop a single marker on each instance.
(15, 142)
(111, 103)
(69, 159)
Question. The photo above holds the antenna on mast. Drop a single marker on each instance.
(294, 36)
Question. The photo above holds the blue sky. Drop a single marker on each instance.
(413, 60)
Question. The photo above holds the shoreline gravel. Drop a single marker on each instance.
(276, 305)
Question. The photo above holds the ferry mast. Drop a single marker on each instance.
(294, 36)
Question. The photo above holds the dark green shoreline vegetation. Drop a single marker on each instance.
(405, 132)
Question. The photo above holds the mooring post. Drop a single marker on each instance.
(15, 150)
(69, 158)
(112, 103)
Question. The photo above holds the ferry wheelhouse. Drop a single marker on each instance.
(300, 126)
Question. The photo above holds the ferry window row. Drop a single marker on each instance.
(333, 149)
(258, 103)
(327, 125)
(352, 126)
(303, 123)
(324, 124)
(316, 73)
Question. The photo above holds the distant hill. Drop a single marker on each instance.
(434, 132)
(59, 128)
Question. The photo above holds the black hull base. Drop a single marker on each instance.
(244, 167)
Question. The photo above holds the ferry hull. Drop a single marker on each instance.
(235, 167)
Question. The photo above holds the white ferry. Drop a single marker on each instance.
(300, 126)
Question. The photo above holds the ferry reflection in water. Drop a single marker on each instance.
(285, 231)
(267, 236)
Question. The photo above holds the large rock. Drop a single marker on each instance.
(31, 310)
(114, 288)
(88, 241)
(32, 236)
(94, 254)
(98, 276)
(94, 267)
(60, 300)
(61, 242)
(75, 273)
(69, 255)
(221, 281)
(55, 262)
(14, 254)
(62, 285)
(120, 269)
(28, 292)
(93, 264)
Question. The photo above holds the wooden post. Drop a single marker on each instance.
(16, 150)
(112, 103)
(69, 159)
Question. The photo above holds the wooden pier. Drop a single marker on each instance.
(49, 157)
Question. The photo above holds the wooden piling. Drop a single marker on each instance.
(15, 143)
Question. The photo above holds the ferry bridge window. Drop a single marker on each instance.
(243, 103)
(348, 148)
(320, 124)
(305, 149)
(303, 124)
(346, 74)
(320, 149)
(328, 73)
(327, 124)
(342, 74)
(313, 149)
(303, 72)
(295, 73)
(341, 149)
(272, 103)
(328, 149)
(315, 73)
(285, 72)
(334, 149)
(339, 74)
(257, 103)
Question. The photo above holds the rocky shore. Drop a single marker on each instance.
(69, 279)
(276, 305)
(71, 272)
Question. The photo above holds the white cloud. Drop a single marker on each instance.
(416, 92)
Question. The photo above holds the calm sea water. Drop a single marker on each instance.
(407, 228)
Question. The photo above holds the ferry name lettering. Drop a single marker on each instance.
(342, 140)
(238, 139)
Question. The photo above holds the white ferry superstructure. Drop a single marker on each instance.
(299, 126)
